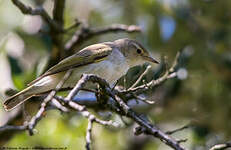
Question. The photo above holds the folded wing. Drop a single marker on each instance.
(88, 55)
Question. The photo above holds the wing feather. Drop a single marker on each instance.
(88, 55)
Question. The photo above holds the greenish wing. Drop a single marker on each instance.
(88, 55)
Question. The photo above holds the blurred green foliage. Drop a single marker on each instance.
(201, 29)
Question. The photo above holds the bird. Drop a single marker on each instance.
(109, 60)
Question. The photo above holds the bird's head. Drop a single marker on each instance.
(134, 52)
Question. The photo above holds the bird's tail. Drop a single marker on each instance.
(18, 98)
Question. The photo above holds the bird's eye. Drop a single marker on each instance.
(139, 51)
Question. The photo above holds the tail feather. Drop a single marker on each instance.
(17, 99)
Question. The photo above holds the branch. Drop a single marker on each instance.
(140, 77)
(30, 126)
(152, 83)
(38, 11)
(58, 11)
(177, 130)
(88, 135)
(82, 109)
(81, 83)
(58, 105)
(151, 129)
(170, 73)
(221, 146)
(9, 127)
(57, 53)
(74, 25)
(85, 33)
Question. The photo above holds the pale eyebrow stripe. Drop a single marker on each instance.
(137, 46)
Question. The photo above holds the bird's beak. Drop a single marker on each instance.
(150, 59)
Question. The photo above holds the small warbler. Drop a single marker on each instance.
(109, 60)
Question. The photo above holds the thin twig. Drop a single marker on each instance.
(38, 11)
(143, 99)
(11, 127)
(76, 24)
(177, 130)
(58, 105)
(89, 133)
(175, 63)
(151, 84)
(221, 146)
(182, 141)
(170, 73)
(86, 32)
(81, 83)
(140, 77)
